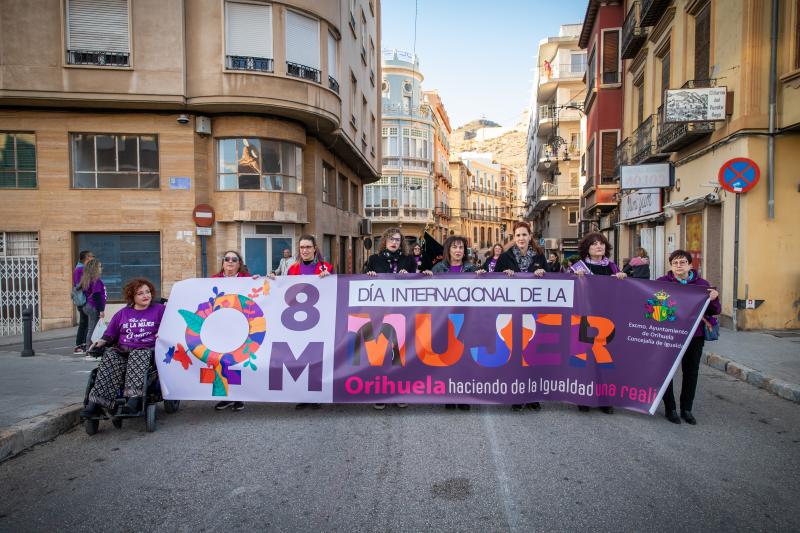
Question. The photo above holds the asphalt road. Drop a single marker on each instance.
(351, 468)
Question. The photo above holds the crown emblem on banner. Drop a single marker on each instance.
(660, 308)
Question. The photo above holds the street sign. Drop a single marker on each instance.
(203, 231)
(541, 241)
(739, 175)
(203, 215)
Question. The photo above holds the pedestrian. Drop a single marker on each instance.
(593, 252)
(553, 264)
(95, 292)
(523, 256)
(83, 319)
(416, 254)
(681, 271)
(490, 263)
(453, 261)
(309, 263)
(639, 265)
(129, 342)
(391, 259)
(232, 267)
(286, 261)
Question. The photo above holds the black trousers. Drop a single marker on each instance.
(83, 325)
(690, 366)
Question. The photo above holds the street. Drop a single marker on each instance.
(351, 468)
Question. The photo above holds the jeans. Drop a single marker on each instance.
(690, 367)
(83, 324)
(92, 318)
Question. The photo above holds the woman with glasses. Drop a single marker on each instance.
(681, 271)
(416, 255)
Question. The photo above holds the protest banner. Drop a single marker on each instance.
(453, 338)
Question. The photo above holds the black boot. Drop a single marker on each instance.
(91, 410)
(673, 417)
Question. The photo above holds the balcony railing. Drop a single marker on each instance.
(562, 71)
(622, 155)
(333, 84)
(443, 212)
(407, 214)
(255, 64)
(644, 148)
(652, 11)
(405, 110)
(672, 136)
(409, 163)
(633, 35)
(99, 58)
(302, 71)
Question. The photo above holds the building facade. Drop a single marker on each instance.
(404, 195)
(460, 178)
(443, 182)
(697, 45)
(554, 141)
(267, 112)
(484, 225)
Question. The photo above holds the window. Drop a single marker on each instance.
(124, 256)
(590, 164)
(327, 181)
(333, 63)
(665, 60)
(577, 62)
(371, 62)
(354, 207)
(353, 16)
(259, 165)
(364, 37)
(302, 47)
(17, 160)
(372, 126)
(572, 216)
(353, 101)
(608, 145)
(591, 73)
(114, 161)
(97, 33)
(342, 192)
(702, 43)
(364, 118)
(639, 86)
(611, 64)
(248, 37)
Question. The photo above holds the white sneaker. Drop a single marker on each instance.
(402, 405)
(379, 406)
(90, 358)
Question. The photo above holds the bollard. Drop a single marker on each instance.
(27, 332)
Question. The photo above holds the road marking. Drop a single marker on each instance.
(509, 507)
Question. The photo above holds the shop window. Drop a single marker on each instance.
(102, 161)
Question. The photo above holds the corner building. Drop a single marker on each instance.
(130, 114)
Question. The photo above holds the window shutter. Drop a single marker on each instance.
(609, 143)
(665, 65)
(333, 66)
(248, 30)
(302, 40)
(702, 43)
(611, 56)
(98, 25)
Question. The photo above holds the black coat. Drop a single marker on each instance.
(507, 261)
(379, 264)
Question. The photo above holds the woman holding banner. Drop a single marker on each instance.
(681, 271)
(491, 262)
(594, 250)
(523, 256)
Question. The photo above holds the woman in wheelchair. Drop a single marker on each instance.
(130, 340)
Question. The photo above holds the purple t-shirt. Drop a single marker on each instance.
(76, 274)
(133, 329)
(308, 269)
(456, 268)
(96, 295)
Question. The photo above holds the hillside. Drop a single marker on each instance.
(508, 144)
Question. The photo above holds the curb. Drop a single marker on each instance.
(32, 431)
(778, 387)
(11, 340)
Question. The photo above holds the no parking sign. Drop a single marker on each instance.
(739, 175)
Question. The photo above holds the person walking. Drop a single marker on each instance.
(83, 319)
(523, 256)
(639, 266)
(553, 264)
(594, 251)
(95, 292)
(286, 261)
(491, 262)
(391, 259)
(681, 271)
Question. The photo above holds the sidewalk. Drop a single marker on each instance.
(42, 395)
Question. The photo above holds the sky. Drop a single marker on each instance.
(479, 54)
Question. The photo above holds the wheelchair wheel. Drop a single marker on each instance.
(150, 417)
(116, 422)
(91, 426)
(171, 406)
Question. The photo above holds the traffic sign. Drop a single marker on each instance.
(203, 231)
(739, 175)
(203, 215)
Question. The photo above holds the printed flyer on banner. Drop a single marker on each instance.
(453, 338)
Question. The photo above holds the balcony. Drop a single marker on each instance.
(644, 147)
(408, 163)
(404, 214)
(297, 70)
(547, 193)
(633, 34)
(445, 212)
(98, 58)
(672, 136)
(652, 10)
(333, 84)
(403, 110)
(622, 155)
(562, 71)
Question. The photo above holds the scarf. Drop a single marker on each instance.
(688, 279)
(602, 262)
(393, 258)
(524, 261)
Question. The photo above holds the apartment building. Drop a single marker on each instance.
(483, 213)
(442, 211)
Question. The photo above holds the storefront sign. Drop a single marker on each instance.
(647, 176)
(695, 105)
(639, 203)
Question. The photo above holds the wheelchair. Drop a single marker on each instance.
(151, 396)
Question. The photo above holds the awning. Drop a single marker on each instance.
(686, 205)
(655, 217)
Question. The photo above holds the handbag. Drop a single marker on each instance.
(710, 331)
(78, 296)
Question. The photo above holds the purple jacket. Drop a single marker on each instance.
(714, 307)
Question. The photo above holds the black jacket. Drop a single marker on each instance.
(507, 261)
(379, 264)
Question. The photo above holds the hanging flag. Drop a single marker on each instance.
(432, 251)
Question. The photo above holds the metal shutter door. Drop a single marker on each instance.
(302, 40)
(98, 25)
(248, 30)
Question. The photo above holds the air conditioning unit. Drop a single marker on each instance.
(551, 244)
(366, 227)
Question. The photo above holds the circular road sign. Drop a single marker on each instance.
(739, 175)
(203, 215)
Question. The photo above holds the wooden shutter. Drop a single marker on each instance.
(611, 56)
(302, 40)
(702, 43)
(248, 30)
(609, 145)
(98, 25)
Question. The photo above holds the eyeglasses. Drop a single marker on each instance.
(680, 263)
(306, 247)
(394, 239)
(231, 259)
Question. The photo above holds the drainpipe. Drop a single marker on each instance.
(773, 112)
